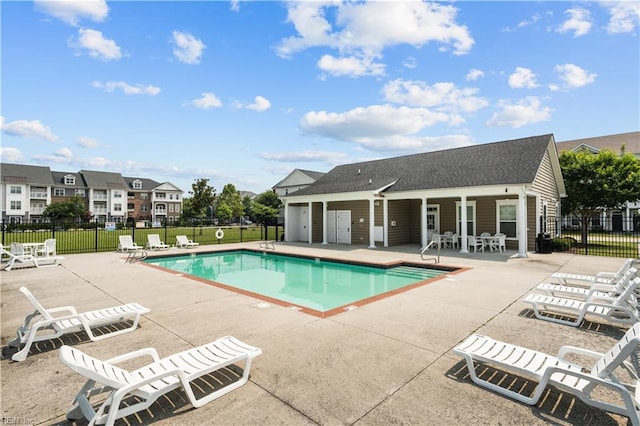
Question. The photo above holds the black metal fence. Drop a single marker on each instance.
(76, 236)
(614, 236)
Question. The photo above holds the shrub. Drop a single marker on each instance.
(564, 243)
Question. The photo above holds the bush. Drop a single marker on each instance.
(564, 243)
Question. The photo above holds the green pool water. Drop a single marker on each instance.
(316, 284)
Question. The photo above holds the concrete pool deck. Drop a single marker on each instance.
(387, 362)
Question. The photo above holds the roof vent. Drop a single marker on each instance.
(358, 171)
(369, 181)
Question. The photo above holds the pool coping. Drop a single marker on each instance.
(451, 270)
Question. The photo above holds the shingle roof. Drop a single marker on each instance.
(58, 179)
(147, 184)
(507, 162)
(631, 142)
(103, 180)
(24, 174)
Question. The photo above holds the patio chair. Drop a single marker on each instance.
(16, 254)
(476, 243)
(267, 245)
(44, 320)
(619, 309)
(154, 243)
(558, 371)
(183, 242)
(499, 243)
(127, 243)
(48, 249)
(600, 277)
(598, 289)
(153, 380)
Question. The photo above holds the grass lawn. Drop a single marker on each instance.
(99, 239)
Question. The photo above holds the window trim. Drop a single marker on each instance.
(507, 202)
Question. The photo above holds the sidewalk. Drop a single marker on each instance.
(388, 362)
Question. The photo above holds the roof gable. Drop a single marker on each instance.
(25, 174)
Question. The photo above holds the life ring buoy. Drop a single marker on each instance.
(219, 234)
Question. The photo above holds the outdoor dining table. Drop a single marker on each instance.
(32, 248)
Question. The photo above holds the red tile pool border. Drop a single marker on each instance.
(452, 270)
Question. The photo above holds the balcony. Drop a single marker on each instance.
(99, 210)
(38, 194)
(36, 210)
(100, 197)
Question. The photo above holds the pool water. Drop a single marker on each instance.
(315, 284)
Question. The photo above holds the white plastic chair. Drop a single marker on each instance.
(127, 243)
(150, 382)
(476, 243)
(183, 242)
(561, 372)
(499, 242)
(48, 249)
(154, 243)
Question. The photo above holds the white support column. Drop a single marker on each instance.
(423, 223)
(464, 247)
(309, 229)
(385, 222)
(324, 222)
(372, 222)
(522, 223)
(286, 221)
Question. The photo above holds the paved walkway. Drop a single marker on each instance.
(388, 362)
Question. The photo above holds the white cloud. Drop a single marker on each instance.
(522, 77)
(64, 153)
(127, 89)
(377, 127)
(351, 66)
(11, 155)
(411, 62)
(474, 74)
(28, 129)
(206, 101)
(71, 12)
(443, 96)
(188, 49)
(625, 16)
(304, 156)
(579, 22)
(87, 142)
(573, 76)
(97, 46)
(260, 104)
(361, 31)
(520, 113)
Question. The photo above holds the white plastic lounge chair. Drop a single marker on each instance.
(267, 245)
(621, 309)
(154, 243)
(153, 380)
(183, 242)
(578, 380)
(127, 243)
(44, 320)
(596, 289)
(600, 277)
(17, 255)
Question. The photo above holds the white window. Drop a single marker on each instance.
(16, 189)
(433, 219)
(80, 192)
(117, 207)
(117, 194)
(69, 180)
(471, 217)
(171, 208)
(144, 208)
(177, 208)
(507, 217)
(144, 195)
(58, 192)
(16, 205)
(137, 184)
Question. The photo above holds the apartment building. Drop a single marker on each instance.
(26, 190)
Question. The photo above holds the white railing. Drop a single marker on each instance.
(38, 194)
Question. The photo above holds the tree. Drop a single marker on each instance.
(223, 211)
(595, 182)
(73, 208)
(266, 207)
(231, 198)
(202, 197)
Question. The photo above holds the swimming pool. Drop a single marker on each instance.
(316, 286)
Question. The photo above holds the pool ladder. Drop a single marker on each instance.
(435, 258)
(136, 256)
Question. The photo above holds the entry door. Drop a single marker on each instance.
(331, 226)
(616, 222)
(343, 227)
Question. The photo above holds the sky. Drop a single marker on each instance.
(244, 92)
